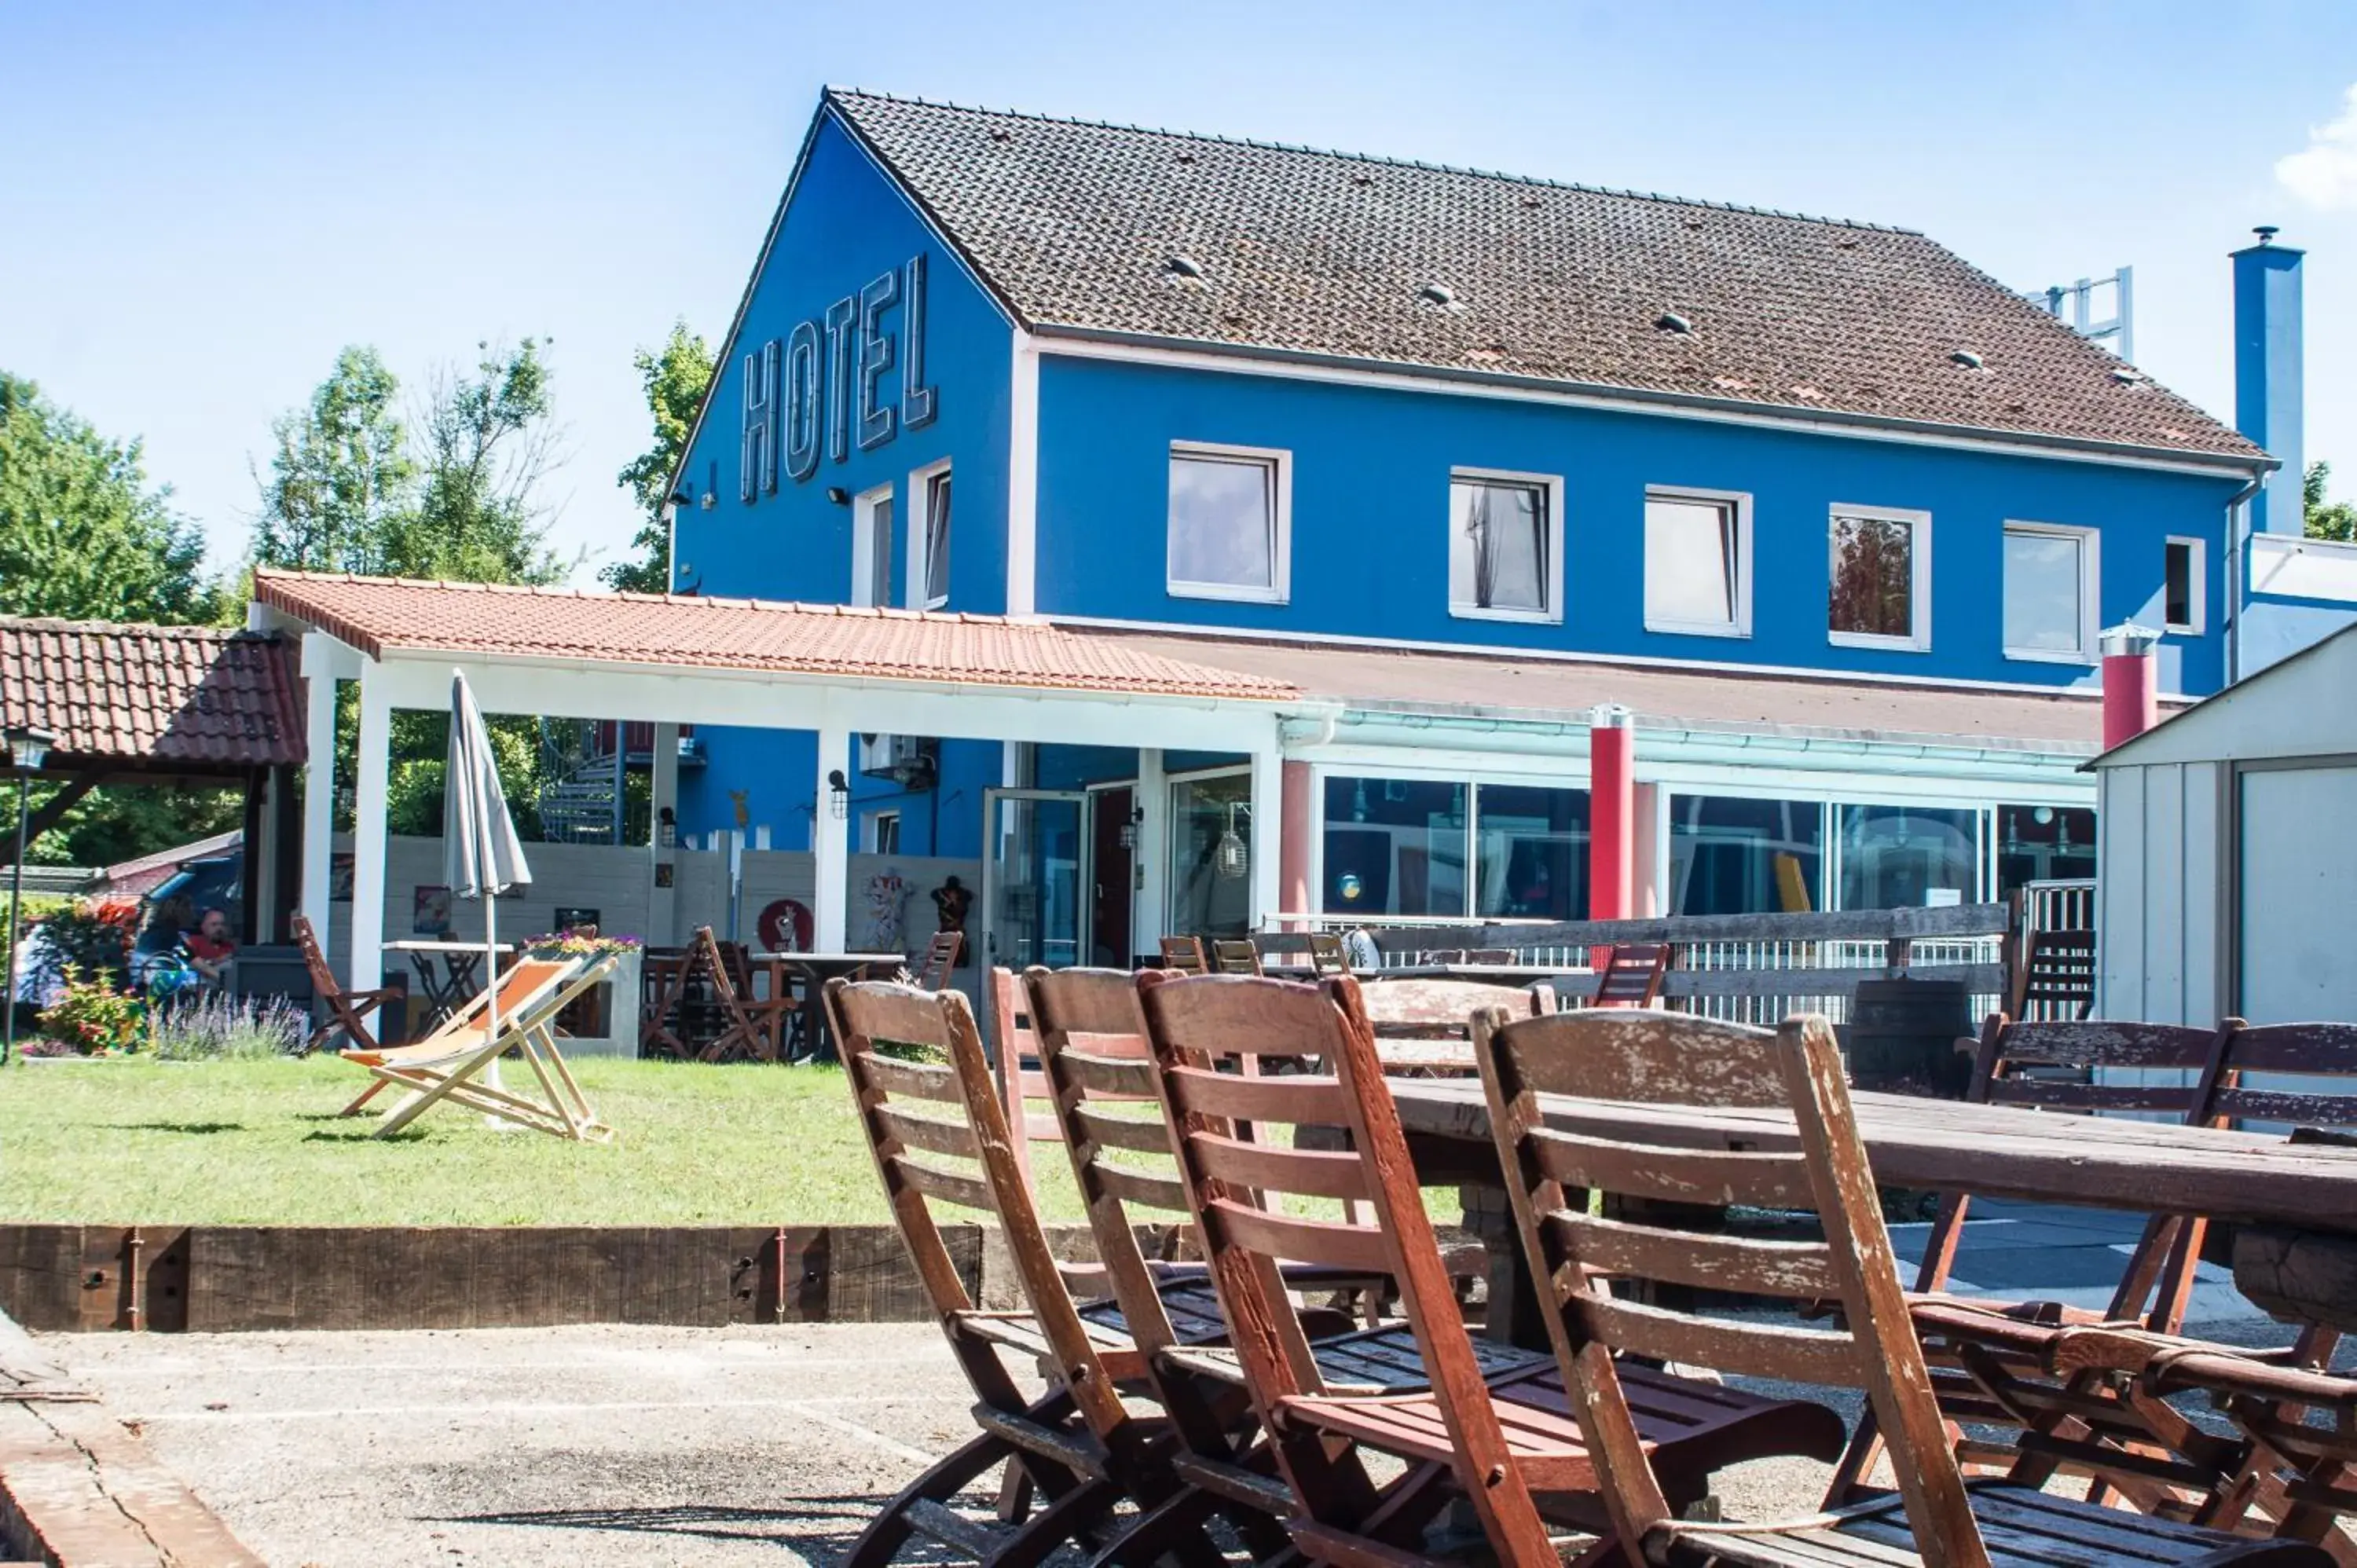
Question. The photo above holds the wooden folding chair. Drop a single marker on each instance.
(939, 1134)
(1587, 1262)
(2053, 1066)
(451, 1062)
(347, 1011)
(1234, 956)
(1633, 975)
(1185, 955)
(1326, 955)
(1423, 1027)
(1455, 1440)
(1022, 1080)
(942, 956)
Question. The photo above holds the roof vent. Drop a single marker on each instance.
(1182, 266)
(1184, 158)
(1438, 293)
(1965, 358)
(1534, 201)
(2126, 375)
(1001, 133)
(1361, 177)
(1670, 321)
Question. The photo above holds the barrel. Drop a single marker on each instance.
(1903, 1034)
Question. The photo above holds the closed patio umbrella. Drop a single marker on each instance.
(481, 856)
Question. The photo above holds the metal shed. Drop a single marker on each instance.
(2229, 849)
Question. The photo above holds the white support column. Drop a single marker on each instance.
(1267, 834)
(662, 902)
(1153, 902)
(319, 795)
(829, 847)
(365, 966)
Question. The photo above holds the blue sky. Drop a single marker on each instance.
(200, 205)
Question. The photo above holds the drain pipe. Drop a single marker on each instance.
(2238, 525)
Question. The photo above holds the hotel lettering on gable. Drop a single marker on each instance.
(1829, 518)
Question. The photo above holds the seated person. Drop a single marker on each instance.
(210, 947)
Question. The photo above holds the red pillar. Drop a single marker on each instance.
(2131, 683)
(1293, 844)
(1611, 815)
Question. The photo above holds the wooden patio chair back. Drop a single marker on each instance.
(2058, 976)
(1185, 955)
(1234, 956)
(1634, 974)
(1326, 955)
(1423, 1027)
(2308, 1055)
(346, 1009)
(939, 1135)
(1100, 1075)
(748, 1026)
(1586, 1260)
(1237, 1186)
(942, 956)
(1022, 1077)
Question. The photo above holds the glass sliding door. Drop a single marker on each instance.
(1034, 875)
(1531, 853)
(1735, 857)
(1895, 857)
(1395, 846)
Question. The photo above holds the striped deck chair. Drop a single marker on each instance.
(452, 1062)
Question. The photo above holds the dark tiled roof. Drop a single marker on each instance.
(153, 696)
(1077, 226)
(380, 613)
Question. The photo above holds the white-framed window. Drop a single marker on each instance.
(873, 529)
(1505, 545)
(1698, 562)
(1879, 589)
(1231, 522)
(883, 834)
(929, 537)
(2184, 583)
(2050, 592)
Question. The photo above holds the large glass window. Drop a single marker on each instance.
(1395, 846)
(2043, 843)
(1881, 579)
(1501, 547)
(1895, 857)
(1694, 565)
(1211, 855)
(1227, 524)
(1531, 853)
(1730, 856)
(2049, 592)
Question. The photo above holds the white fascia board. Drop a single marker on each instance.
(757, 699)
(1064, 340)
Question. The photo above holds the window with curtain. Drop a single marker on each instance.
(1395, 846)
(937, 541)
(1501, 547)
(1531, 853)
(1733, 856)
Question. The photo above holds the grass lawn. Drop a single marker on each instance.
(131, 1142)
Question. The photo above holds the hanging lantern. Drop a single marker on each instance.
(1234, 858)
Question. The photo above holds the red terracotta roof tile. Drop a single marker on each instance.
(377, 615)
(156, 696)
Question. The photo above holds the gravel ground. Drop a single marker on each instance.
(588, 1446)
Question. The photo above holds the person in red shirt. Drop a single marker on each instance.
(210, 947)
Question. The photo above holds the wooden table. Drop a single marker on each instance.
(816, 969)
(1487, 973)
(460, 978)
(2247, 1178)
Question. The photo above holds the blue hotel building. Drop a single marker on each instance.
(1834, 517)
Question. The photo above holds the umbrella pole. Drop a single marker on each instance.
(492, 1006)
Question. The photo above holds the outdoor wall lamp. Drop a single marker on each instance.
(28, 750)
(667, 828)
(1129, 827)
(838, 495)
(838, 794)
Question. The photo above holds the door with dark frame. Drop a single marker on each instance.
(1116, 862)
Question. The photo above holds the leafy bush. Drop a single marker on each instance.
(92, 936)
(210, 1026)
(92, 1017)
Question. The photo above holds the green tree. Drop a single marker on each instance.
(81, 533)
(489, 439)
(2326, 520)
(340, 476)
(675, 380)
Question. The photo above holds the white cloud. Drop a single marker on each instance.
(2324, 175)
